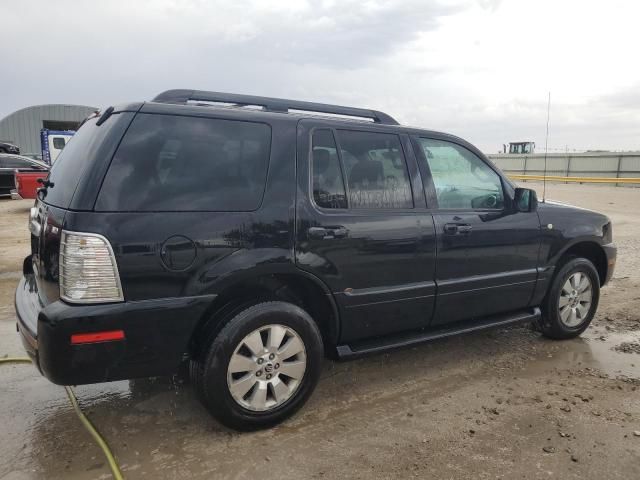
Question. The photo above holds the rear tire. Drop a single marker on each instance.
(261, 367)
(572, 300)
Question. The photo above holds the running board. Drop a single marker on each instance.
(383, 344)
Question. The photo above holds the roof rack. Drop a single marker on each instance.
(271, 104)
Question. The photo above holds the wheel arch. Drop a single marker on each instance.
(290, 285)
(589, 249)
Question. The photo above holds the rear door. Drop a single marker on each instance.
(487, 251)
(363, 227)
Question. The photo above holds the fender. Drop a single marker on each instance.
(250, 265)
(564, 226)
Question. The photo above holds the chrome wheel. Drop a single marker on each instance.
(575, 299)
(266, 368)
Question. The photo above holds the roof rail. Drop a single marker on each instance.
(271, 104)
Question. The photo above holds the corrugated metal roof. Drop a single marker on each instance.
(22, 127)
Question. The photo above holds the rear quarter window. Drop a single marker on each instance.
(72, 161)
(176, 163)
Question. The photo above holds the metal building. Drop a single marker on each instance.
(22, 127)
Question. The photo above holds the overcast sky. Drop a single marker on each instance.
(480, 69)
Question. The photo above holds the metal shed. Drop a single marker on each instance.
(23, 126)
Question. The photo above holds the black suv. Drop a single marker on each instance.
(253, 236)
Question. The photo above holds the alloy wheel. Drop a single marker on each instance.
(575, 299)
(266, 368)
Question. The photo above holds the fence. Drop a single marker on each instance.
(595, 167)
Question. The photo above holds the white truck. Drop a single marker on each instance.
(52, 142)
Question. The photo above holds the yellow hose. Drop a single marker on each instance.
(15, 360)
(95, 434)
(117, 474)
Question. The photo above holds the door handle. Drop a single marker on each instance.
(338, 232)
(327, 233)
(457, 229)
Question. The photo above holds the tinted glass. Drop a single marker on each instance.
(173, 163)
(376, 170)
(70, 164)
(462, 180)
(328, 184)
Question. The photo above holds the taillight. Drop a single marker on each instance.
(88, 269)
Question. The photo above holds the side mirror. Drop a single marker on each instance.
(525, 200)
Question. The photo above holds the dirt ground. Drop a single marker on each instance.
(505, 403)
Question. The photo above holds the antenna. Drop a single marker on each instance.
(546, 148)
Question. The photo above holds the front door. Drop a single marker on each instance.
(363, 227)
(487, 250)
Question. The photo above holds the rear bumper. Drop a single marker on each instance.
(15, 195)
(611, 252)
(27, 308)
(157, 334)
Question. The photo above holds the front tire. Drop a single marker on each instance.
(262, 366)
(572, 300)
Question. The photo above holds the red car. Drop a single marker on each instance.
(19, 175)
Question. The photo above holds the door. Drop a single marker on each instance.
(363, 229)
(487, 250)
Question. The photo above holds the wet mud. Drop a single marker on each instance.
(504, 403)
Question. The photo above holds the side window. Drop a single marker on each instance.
(58, 143)
(376, 170)
(462, 180)
(328, 183)
(174, 163)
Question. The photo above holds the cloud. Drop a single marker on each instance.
(477, 68)
(345, 34)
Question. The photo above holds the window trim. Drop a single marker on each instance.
(312, 132)
(429, 185)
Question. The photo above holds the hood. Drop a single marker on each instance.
(574, 221)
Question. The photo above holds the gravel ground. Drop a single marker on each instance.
(505, 403)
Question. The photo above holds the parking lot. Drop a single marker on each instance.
(505, 403)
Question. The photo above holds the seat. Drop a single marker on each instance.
(366, 172)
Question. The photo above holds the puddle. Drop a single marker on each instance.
(605, 355)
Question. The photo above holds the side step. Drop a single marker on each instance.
(383, 344)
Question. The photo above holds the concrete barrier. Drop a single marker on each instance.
(609, 168)
(553, 178)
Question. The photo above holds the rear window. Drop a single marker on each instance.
(174, 163)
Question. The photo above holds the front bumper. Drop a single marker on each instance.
(611, 252)
(157, 335)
